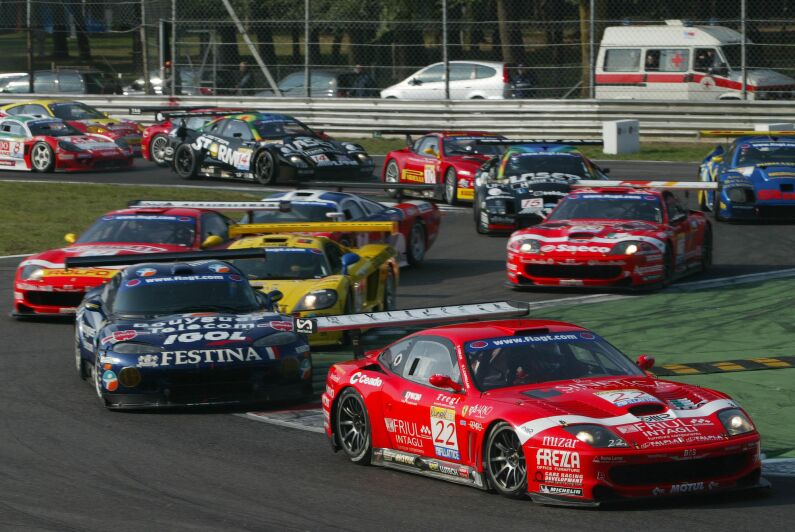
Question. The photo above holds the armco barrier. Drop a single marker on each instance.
(550, 118)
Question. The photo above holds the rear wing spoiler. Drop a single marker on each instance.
(568, 142)
(160, 111)
(339, 186)
(708, 133)
(137, 258)
(680, 185)
(356, 323)
(262, 205)
(314, 227)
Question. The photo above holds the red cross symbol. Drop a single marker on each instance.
(707, 82)
(677, 60)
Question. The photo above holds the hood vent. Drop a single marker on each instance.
(181, 269)
(647, 409)
(581, 236)
(542, 394)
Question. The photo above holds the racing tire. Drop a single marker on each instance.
(451, 187)
(476, 212)
(42, 158)
(416, 245)
(157, 149)
(716, 206)
(390, 292)
(392, 175)
(352, 427)
(97, 378)
(706, 250)
(82, 367)
(186, 164)
(265, 168)
(504, 462)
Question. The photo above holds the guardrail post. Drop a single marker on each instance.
(445, 58)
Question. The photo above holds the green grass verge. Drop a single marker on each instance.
(747, 321)
(649, 151)
(35, 216)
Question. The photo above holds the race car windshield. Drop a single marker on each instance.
(186, 293)
(770, 154)
(52, 128)
(154, 229)
(536, 358)
(286, 263)
(470, 146)
(527, 165)
(278, 129)
(74, 111)
(619, 207)
(299, 212)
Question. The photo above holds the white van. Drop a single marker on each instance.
(678, 62)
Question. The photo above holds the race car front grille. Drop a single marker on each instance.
(565, 271)
(109, 163)
(54, 299)
(776, 212)
(679, 471)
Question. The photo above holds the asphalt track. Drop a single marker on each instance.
(67, 464)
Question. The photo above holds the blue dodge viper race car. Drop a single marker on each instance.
(185, 333)
(755, 176)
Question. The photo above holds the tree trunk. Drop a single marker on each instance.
(585, 75)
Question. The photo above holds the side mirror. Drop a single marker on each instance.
(605, 171)
(70, 238)
(678, 218)
(444, 381)
(93, 305)
(645, 362)
(415, 81)
(212, 241)
(106, 115)
(430, 151)
(275, 295)
(337, 216)
(237, 135)
(717, 159)
(348, 260)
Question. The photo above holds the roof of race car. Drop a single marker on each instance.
(596, 192)
(31, 118)
(149, 211)
(260, 117)
(284, 240)
(767, 139)
(44, 102)
(465, 332)
(541, 149)
(198, 271)
(312, 196)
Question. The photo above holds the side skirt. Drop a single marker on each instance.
(429, 467)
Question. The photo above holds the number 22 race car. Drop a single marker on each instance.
(531, 407)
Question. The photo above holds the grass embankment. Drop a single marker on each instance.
(35, 216)
(747, 321)
(649, 151)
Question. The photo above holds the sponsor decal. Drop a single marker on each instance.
(280, 325)
(552, 458)
(566, 478)
(532, 203)
(520, 340)
(439, 467)
(219, 268)
(447, 399)
(477, 411)
(305, 326)
(407, 433)
(411, 398)
(688, 487)
(668, 429)
(210, 336)
(330, 391)
(560, 490)
(476, 426)
(399, 458)
(685, 404)
(145, 272)
(568, 248)
(119, 336)
(198, 322)
(443, 431)
(656, 417)
(565, 443)
(361, 378)
(109, 381)
(622, 398)
(83, 251)
(148, 361)
(209, 356)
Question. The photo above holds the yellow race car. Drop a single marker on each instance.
(82, 117)
(318, 276)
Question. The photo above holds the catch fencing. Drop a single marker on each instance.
(261, 47)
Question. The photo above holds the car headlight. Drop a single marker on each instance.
(96, 129)
(319, 299)
(739, 195)
(363, 157)
(32, 273)
(495, 206)
(524, 245)
(735, 422)
(68, 146)
(298, 162)
(596, 436)
(134, 348)
(130, 377)
(631, 247)
(279, 338)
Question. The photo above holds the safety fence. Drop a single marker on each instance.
(546, 118)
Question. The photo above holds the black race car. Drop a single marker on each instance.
(263, 147)
(189, 332)
(520, 187)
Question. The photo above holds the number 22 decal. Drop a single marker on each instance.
(439, 431)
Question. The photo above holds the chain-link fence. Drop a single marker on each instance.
(460, 49)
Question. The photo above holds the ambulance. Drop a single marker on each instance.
(679, 62)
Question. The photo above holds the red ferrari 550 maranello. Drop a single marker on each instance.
(531, 407)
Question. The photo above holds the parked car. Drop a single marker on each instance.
(469, 80)
(191, 82)
(63, 82)
(323, 84)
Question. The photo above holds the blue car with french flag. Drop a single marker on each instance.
(182, 329)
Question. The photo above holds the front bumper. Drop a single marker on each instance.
(566, 269)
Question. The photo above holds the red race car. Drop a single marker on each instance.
(43, 287)
(49, 144)
(155, 137)
(619, 236)
(531, 407)
(441, 158)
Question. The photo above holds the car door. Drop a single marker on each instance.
(683, 235)
(212, 133)
(422, 164)
(421, 418)
(427, 84)
(12, 144)
(236, 154)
